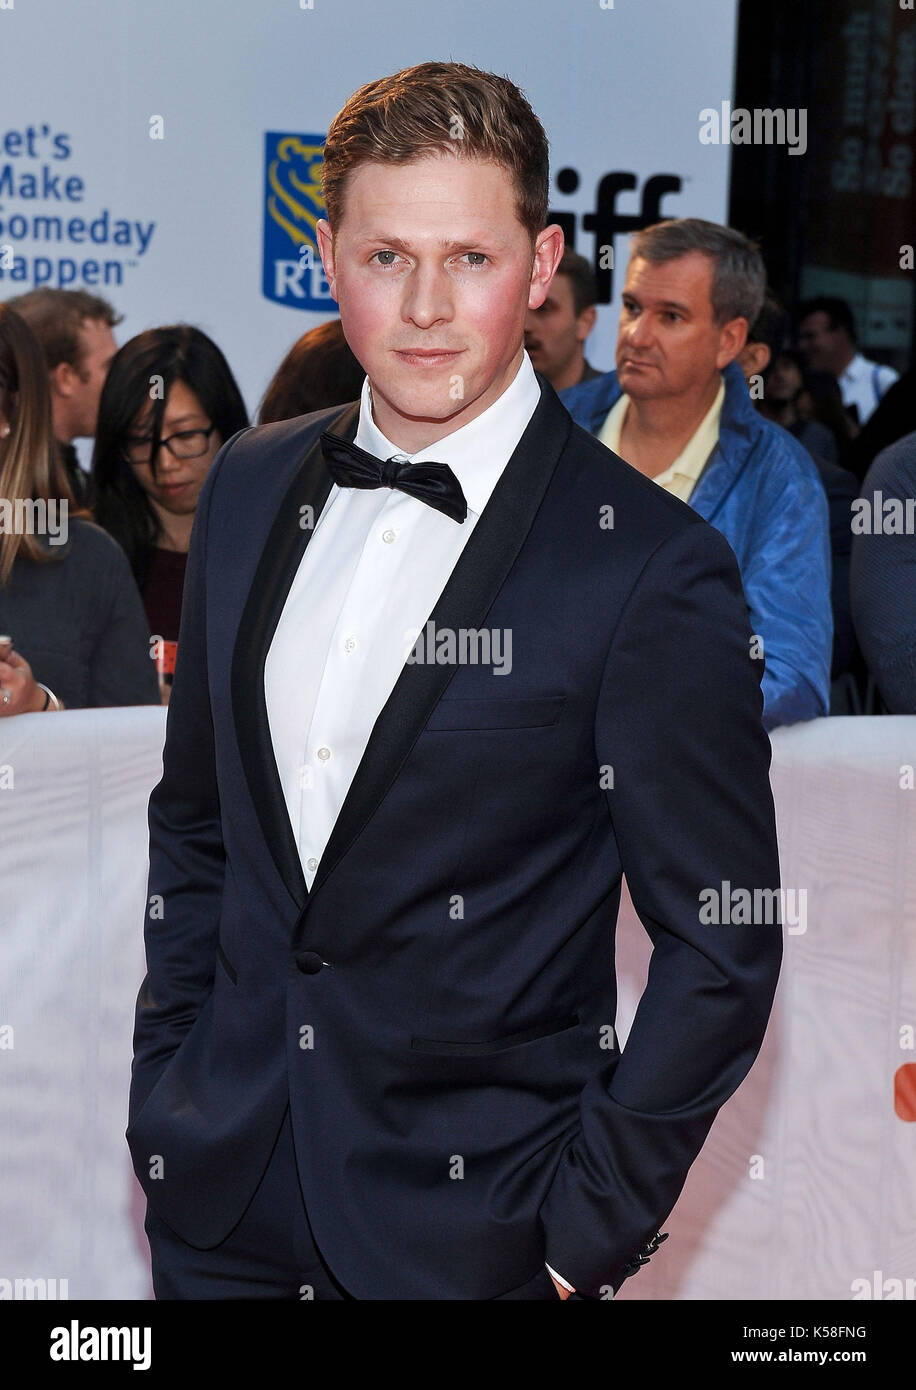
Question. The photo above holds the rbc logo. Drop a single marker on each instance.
(293, 204)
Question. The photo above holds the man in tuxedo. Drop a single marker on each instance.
(447, 669)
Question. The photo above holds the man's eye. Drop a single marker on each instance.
(483, 259)
(384, 264)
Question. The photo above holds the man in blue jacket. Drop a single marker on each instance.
(677, 409)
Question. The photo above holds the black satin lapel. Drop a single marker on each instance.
(273, 577)
(464, 602)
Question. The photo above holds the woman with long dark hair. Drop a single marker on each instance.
(72, 624)
(319, 370)
(169, 402)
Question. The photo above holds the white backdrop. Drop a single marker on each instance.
(806, 1185)
(618, 86)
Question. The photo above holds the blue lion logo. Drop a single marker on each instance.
(293, 203)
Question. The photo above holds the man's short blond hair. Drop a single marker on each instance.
(435, 108)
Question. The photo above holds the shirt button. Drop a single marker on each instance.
(388, 536)
(324, 754)
(349, 644)
(311, 865)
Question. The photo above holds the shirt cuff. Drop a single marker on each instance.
(560, 1280)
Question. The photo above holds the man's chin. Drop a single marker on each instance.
(640, 386)
(432, 402)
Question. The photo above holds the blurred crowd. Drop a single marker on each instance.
(771, 423)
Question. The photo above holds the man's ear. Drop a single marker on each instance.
(732, 338)
(586, 322)
(754, 358)
(325, 241)
(548, 252)
(62, 380)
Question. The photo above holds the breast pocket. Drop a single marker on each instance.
(536, 712)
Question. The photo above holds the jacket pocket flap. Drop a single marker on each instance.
(443, 1048)
(495, 713)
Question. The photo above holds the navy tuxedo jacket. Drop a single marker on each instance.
(438, 1010)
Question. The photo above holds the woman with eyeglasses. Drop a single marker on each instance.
(169, 402)
(72, 628)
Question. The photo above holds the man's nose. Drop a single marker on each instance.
(428, 298)
(639, 331)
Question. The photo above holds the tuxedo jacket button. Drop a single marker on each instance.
(309, 962)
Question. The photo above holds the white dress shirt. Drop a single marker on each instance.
(863, 383)
(367, 582)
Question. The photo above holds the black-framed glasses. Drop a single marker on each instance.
(186, 444)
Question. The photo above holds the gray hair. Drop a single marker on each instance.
(739, 275)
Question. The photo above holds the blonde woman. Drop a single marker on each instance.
(74, 631)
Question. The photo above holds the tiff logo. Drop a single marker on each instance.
(606, 222)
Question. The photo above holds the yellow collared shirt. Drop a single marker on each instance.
(681, 476)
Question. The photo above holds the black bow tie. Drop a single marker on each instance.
(432, 483)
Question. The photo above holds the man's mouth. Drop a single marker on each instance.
(427, 357)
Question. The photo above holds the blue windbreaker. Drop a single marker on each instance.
(761, 489)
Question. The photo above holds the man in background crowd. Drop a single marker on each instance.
(883, 574)
(766, 337)
(677, 408)
(73, 329)
(827, 335)
(555, 333)
(777, 378)
(894, 417)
